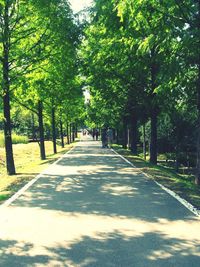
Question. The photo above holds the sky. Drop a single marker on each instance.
(78, 5)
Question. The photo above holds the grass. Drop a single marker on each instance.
(16, 139)
(1, 139)
(28, 165)
(183, 185)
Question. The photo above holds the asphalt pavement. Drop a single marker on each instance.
(92, 208)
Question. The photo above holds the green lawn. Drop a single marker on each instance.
(28, 165)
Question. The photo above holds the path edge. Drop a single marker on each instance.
(184, 202)
(30, 183)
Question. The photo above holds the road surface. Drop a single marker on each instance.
(92, 208)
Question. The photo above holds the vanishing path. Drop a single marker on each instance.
(92, 208)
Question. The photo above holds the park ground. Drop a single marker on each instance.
(92, 208)
(28, 165)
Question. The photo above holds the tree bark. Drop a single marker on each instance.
(197, 178)
(41, 130)
(6, 96)
(125, 134)
(177, 164)
(133, 136)
(7, 135)
(76, 131)
(153, 143)
(61, 134)
(70, 133)
(73, 132)
(68, 138)
(144, 141)
(154, 111)
(53, 130)
(128, 137)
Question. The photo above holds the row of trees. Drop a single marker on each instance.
(38, 63)
(141, 60)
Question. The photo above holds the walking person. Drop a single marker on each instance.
(93, 133)
(96, 134)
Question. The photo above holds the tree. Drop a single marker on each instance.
(31, 33)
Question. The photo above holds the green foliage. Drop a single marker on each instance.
(141, 56)
(41, 39)
(134, 56)
(16, 139)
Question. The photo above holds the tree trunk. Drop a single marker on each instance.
(68, 139)
(73, 132)
(7, 135)
(133, 131)
(153, 143)
(70, 133)
(144, 141)
(177, 164)
(128, 137)
(53, 130)
(61, 134)
(154, 111)
(117, 136)
(76, 131)
(41, 130)
(125, 134)
(197, 179)
(6, 96)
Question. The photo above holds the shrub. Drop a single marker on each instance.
(16, 139)
(19, 139)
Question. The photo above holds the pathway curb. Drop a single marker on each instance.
(30, 183)
(184, 202)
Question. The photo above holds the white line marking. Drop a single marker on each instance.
(184, 202)
(29, 184)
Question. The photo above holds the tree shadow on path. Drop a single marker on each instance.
(94, 209)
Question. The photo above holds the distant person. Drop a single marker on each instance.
(110, 137)
(96, 134)
(93, 133)
(104, 138)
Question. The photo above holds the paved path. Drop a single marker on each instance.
(93, 209)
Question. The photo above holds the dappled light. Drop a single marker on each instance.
(118, 189)
(93, 238)
(89, 211)
(97, 80)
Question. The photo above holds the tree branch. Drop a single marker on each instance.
(24, 105)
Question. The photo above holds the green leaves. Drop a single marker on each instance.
(139, 54)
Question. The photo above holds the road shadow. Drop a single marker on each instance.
(112, 216)
(109, 250)
(100, 182)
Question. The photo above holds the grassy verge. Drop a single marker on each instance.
(16, 139)
(28, 165)
(183, 185)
